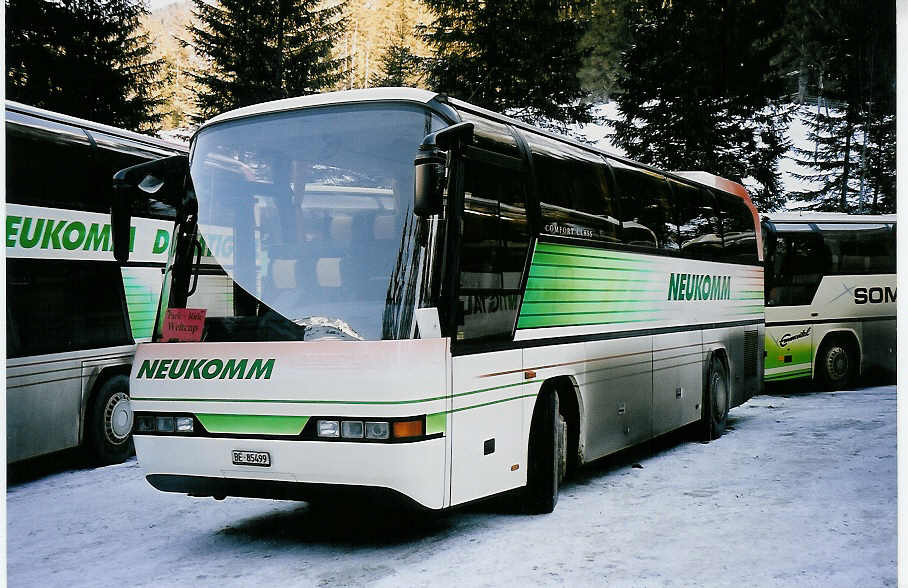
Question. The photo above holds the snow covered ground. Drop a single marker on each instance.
(801, 491)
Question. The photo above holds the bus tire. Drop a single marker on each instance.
(547, 455)
(837, 363)
(109, 422)
(716, 400)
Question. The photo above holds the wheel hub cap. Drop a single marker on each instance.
(118, 418)
(837, 363)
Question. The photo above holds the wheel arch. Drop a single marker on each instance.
(846, 333)
(94, 384)
(720, 352)
(571, 407)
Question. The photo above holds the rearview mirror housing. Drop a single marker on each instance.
(430, 167)
(165, 178)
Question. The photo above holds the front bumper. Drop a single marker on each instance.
(202, 466)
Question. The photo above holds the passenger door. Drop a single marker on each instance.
(488, 386)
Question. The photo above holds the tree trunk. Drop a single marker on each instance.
(846, 168)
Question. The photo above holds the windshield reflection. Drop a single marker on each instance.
(306, 224)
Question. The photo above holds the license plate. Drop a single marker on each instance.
(255, 458)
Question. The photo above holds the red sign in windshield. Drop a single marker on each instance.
(183, 324)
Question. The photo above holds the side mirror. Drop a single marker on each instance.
(164, 178)
(429, 180)
(429, 175)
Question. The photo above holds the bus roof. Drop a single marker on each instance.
(341, 97)
(92, 126)
(444, 104)
(811, 216)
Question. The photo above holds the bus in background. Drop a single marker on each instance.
(432, 301)
(830, 296)
(72, 314)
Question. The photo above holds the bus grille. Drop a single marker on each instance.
(750, 353)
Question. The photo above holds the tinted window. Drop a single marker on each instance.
(695, 224)
(575, 191)
(492, 135)
(645, 205)
(860, 248)
(115, 153)
(494, 250)
(794, 270)
(739, 240)
(56, 306)
(81, 175)
(51, 164)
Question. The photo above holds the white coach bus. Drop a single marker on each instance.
(431, 301)
(830, 296)
(73, 315)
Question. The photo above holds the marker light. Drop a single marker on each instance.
(145, 424)
(352, 429)
(164, 424)
(328, 429)
(184, 424)
(407, 428)
(377, 430)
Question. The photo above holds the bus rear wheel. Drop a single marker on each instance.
(716, 401)
(547, 455)
(109, 422)
(837, 364)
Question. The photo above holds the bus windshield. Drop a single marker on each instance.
(306, 225)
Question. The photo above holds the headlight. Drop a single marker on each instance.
(184, 424)
(328, 429)
(164, 424)
(145, 424)
(352, 429)
(377, 430)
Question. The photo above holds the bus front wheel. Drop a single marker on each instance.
(716, 401)
(547, 455)
(837, 364)
(109, 422)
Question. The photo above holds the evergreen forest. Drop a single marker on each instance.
(715, 85)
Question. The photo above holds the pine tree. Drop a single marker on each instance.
(85, 58)
(607, 37)
(850, 45)
(398, 65)
(264, 50)
(516, 56)
(699, 91)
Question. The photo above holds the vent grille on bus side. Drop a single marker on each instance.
(750, 353)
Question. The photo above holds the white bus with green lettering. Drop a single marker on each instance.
(73, 316)
(429, 301)
(830, 296)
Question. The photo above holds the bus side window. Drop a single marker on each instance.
(739, 240)
(695, 222)
(575, 191)
(645, 204)
(860, 248)
(801, 260)
(493, 251)
(37, 142)
(65, 305)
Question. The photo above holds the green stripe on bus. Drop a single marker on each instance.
(254, 424)
(562, 296)
(788, 375)
(530, 322)
(358, 402)
(574, 250)
(436, 423)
